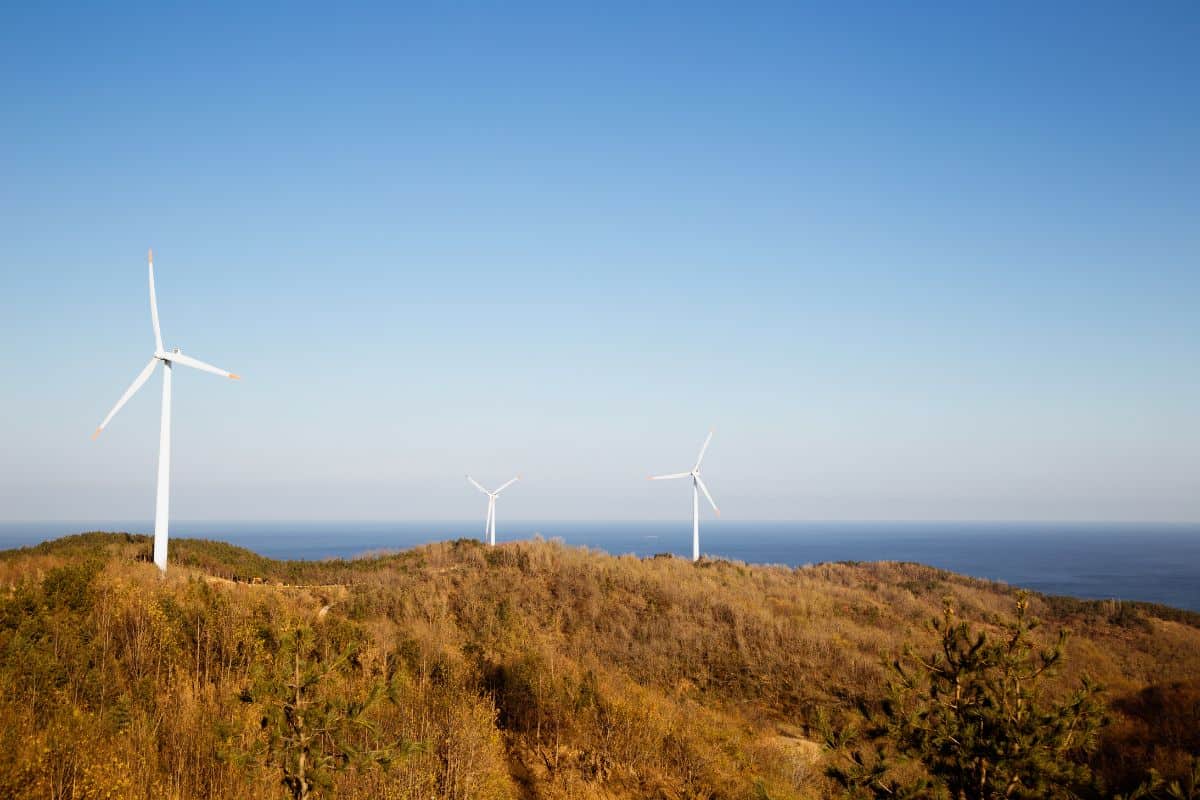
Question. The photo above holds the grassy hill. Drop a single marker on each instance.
(531, 670)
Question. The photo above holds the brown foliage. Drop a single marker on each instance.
(528, 670)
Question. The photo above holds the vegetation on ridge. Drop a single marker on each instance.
(531, 670)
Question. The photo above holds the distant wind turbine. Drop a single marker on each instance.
(697, 487)
(489, 527)
(168, 360)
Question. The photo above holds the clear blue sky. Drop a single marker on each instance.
(912, 261)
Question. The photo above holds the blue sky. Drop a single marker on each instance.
(930, 262)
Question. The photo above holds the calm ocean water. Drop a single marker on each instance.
(1128, 561)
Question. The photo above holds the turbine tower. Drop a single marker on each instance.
(697, 487)
(168, 360)
(489, 527)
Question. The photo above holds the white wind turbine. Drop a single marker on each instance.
(489, 527)
(697, 487)
(168, 360)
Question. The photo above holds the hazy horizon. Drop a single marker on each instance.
(682, 519)
(1156, 562)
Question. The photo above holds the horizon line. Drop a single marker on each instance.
(625, 520)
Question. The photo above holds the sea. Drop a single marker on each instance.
(1156, 562)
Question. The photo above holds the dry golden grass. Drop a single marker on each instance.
(529, 670)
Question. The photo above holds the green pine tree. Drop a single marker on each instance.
(976, 718)
(310, 726)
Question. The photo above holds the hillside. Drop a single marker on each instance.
(531, 670)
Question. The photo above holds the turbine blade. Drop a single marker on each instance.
(704, 489)
(154, 305)
(477, 486)
(669, 477)
(142, 377)
(703, 449)
(195, 363)
(505, 486)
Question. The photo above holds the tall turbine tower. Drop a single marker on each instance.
(168, 360)
(489, 527)
(697, 487)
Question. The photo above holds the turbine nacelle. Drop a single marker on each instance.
(694, 474)
(489, 492)
(176, 356)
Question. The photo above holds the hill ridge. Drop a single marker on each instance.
(531, 669)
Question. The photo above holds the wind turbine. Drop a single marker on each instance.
(168, 360)
(489, 527)
(697, 487)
